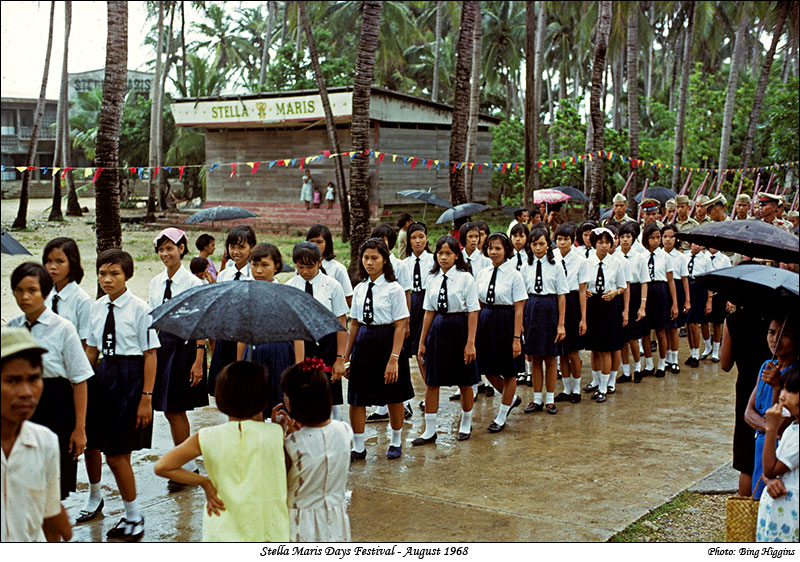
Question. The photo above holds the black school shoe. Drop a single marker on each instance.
(660, 373)
(393, 452)
(516, 402)
(127, 531)
(574, 398)
(376, 417)
(489, 390)
(533, 407)
(562, 397)
(624, 378)
(648, 373)
(675, 368)
(408, 413)
(637, 377)
(494, 427)
(590, 387)
(85, 515)
(600, 398)
(356, 456)
(693, 362)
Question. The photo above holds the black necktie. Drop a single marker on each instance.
(368, 315)
(538, 285)
(519, 261)
(442, 302)
(56, 298)
(490, 290)
(588, 249)
(167, 291)
(651, 266)
(564, 263)
(309, 288)
(30, 325)
(690, 267)
(600, 282)
(237, 276)
(417, 277)
(109, 333)
(713, 256)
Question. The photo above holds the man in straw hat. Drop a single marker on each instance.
(620, 210)
(701, 213)
(768, 210)
(743, 204)
(32, 510)
(683, 221)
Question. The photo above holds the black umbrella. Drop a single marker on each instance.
(661, 194)
(751, 282)
(10, 246)
(220, 213)
(753, 238)
(461, 211)
(252, 312)
(426, 196)
(577, 195)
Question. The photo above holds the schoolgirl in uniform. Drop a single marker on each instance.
(447, 341)
(519, 235)
(62, 260)
(498, 343)
(544, 317)
(700, 300)
(718, 303)
(419, 262)
(485, 231)
(469, 236)
(238, 245)
(320, 235)
(265, 263)
(601, 281)
(662, 305)
(571, 261)
(379, 372)
(62, 406)
(681, 279)
(584, 238)
(179, 385)
(307, 261)
(637, 279)
(120, 414)
(621, 304)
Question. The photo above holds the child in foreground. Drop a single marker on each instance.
(246, 484)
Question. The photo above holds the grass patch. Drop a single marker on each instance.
(671, 511)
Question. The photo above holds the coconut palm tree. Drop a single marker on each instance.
(22, 212)
(155, 96)
(598, 118)
(474, 103)
(62, 140)
(633, 90)
(691, 9)
(108, 228)
(733, 78)
(360, 129)
(437, 52)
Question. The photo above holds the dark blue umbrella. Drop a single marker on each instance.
(461, 211)
(252, 312)
(660, 194)
(10, 246)
(752, 283)
(577, 195)
(753, 238)
(220, 213)
(426, 196)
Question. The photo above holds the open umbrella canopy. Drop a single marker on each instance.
(576, 194)
(753, 238)
(426, 196)
(252, 312)
(549, 196)
(220, 213)
(8, 245)
(461, 211)
(661, 194)
(753, 283)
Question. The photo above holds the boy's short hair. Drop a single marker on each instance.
(242, 389)
(203, 241)
(32, 269)
(116, 256)
(518, 213)
(385, 231)
(306, 253)
(198, 265)
(308, 391)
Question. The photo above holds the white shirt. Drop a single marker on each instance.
(74, 305)
(586, 251)
(403, 276)
(637, 248)
(462, 293)
(719, 260)
(509, 286)
(132, 334)
(788, 454)
(554, 282)
(30, 483)
(699, 265)
(635, 268)
(65, 357)
(476, 261)
(229, 273)
(519, 259)
(613, 273)
(336, 270)
(327, 290)
(662, 264)
(425, 266)
(679, 262)
(574, 261)
(388, 302)
(181, 281)
(511, 225)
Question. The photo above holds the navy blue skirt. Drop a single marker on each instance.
(698, 295)
(495, 340)
(114, 395)
(276, 357)
(173, 391)
(325, 349)
(680, 297)
(572, 322)
(658, 305)
(603, 324)
(371, 352)
(541, 326)
(56, 411)
(224, 354)
(444, 355)
(635, 330)
(411, 345)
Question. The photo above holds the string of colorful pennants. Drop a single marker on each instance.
(415, 162)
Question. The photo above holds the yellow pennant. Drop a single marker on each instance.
(21, 168)
(308, 159)
(56, 170)
(251, 164)
(87, 173)
(394, 157)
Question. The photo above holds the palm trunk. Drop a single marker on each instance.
(616, 78)
(598, 119)
(108, 227)
(756, 50)
(438, 54)
(285, 22)
(541, 24)
(474, 104)
(360, 129)
(330, 125)
(758, 100)
(733, 77)
(73, 204)
(155, 96)
(262, 74)
(530, 111)
(551, 107)
(182, 74)
(163, 186)
(676, 51)
(298, 44)
(633, 92)
(22, 212)
(62, 140)
(677, 156)
(648, 85)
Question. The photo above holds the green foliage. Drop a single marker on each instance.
(508, 145)
(782, 116)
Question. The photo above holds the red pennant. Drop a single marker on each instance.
(233, 170)
(326, 152)
(97, 173)
(503, 169)
(539, 165)
(181, 168)
(516, 166)
(366, 152)
(155, 171)
(281, 162)
(380, 156)
(255, 167)
(455, 166)
(413, 163)
(302, 160)
(132, 171)
(479, 167)
(430, 163)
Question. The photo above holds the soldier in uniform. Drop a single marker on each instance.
(620, 210)
(670, 207)
(743, 203)
(768, 207)
(650, 209)
(701, 213)
(792, 217)
(683, 221)
(715, 207)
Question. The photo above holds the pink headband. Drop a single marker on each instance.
(174, 234)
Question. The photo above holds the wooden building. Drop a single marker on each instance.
(285, 125)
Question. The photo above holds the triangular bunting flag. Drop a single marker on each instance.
(180, 170)
(97, 174)
(233, 170)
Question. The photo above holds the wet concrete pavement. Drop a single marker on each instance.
(581, 475)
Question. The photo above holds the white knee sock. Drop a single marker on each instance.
(396, 438)
(474, 391)
(358, 442)
(466, 422)
(528, 367)
(612, 380)
(500, 419)
(662, 362)
(648, 363)
(576, 385)
(567, 385)
(715, 349)
(595, 378)
(132, 510)
(382, 410)
(626, 370)
(95, 497)
(707, 346)
(549, 397)
(430, 425)
(695, 352)
(537, 397)
(604, 383)
(637, 365)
